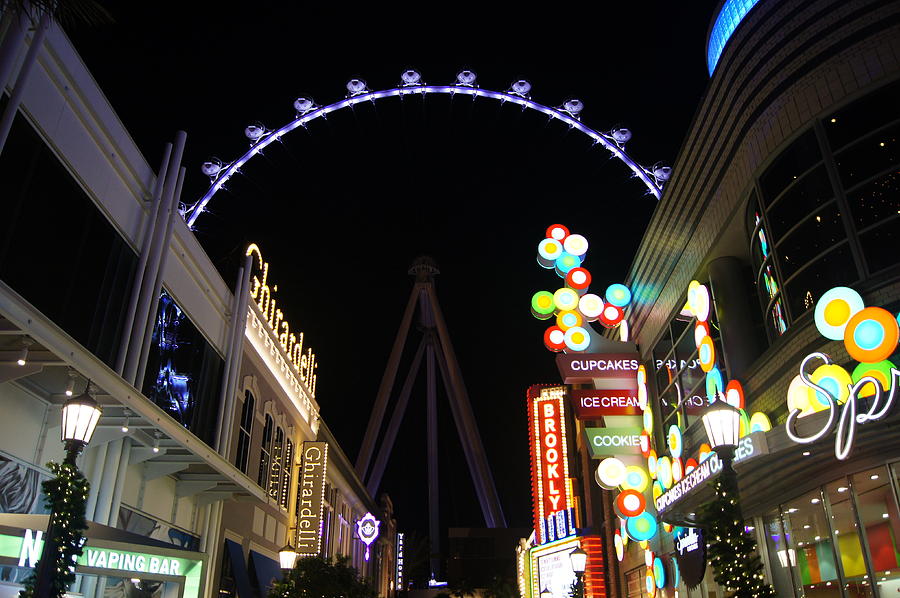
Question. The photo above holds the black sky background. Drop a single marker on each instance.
(341, 210)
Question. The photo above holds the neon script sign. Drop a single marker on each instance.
(292, 344)
(549, 450)
(367, 530)
(870, 335)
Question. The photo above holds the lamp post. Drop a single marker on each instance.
(723, 429)
(79, 420)
(546, 593)
(578, 558)
(287, 556)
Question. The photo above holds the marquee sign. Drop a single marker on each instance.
(551, 487)
(604, 442)
(594, 404)
(581, 368)
(399, 576)
(303, 363)
(311, 498)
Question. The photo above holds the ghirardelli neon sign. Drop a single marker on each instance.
(879, 405)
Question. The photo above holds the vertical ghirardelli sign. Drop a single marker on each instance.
(311, 497)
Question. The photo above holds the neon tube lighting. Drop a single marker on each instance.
(193, 212)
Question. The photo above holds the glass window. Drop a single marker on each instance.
(878, 245)
(276, 466)
(875, 201)
(880, 519)
(782, 558)
(802, 198)
(845, 532)
(835, 268)
(802, 155)
(814, 235)
(265, 452)
(808, 533)
(874, 154)
(245, 432)
(866, 114)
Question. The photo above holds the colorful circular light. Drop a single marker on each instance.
(744, 424)
(568, 319)
(676, 575)
(548, 252)
(611, 315)
(834, 379)
(657, 490)
(618, 294)
(690, 465)
(641, 528)
(555, 339)
(610, 473)
(648, 420)
(704, 452)
(645, 444)
(577, 338)
(620, 546)
(834, 310)
(734, 394)
(667, 527)
(759, 422)
(542, 305)
(650, 583)
(674, 440)
(700, 330)
(590, 306)
(631, 503)
(578, 279)
(643, 543)
(565, 262)
(698, 300)
(664, 472)
(800, 397)
(642, 396)
(648, 558)
(881, 371)
(625, 538)
(558, 232)
(641, 375)
(659, 573)
(871, 335)
(652, 462)
(677, 470)
(623, 331)
(635, 479)
(565, 299)
(576, 245)
(706, 354)
(714, 383)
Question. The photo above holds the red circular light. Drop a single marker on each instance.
(631, 503)
(578, 279)
(555, 339)
(557, 231)
(611, 315)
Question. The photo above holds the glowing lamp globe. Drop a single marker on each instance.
(578, 557)
(287, 556)
(723, 425)
(79, 418)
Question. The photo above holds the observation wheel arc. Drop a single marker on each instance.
(649, 178)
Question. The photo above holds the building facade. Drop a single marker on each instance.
(210, 436)
(787, 187)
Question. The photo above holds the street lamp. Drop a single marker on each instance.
(546, 593)
(578, 558)
(723, 428)
(287, 556)
(79, 420)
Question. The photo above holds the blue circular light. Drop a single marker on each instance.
(714, 383)
(869, 334)
(618, 294)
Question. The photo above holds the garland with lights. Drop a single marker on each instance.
(730, 549)
(66, 497)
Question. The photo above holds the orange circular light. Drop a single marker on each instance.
(871, 335)
(700, 331)
(631, 503)
(706, 353)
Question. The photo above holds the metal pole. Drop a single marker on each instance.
(494, 516)
(157, 285)
(9, 48)
(384, 391)
(15, 100)
(229, 359)
(390, 436)
(136, 286)
(240, 326)
(108, 482)
(147, 300)
(432, 441)
(121, 475)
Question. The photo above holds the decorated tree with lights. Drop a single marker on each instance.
(317, 577)
(66, 496)
(730, 549)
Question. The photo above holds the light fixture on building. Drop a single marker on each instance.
(287, 556)
(125, 427)
(842, 489)
(723, 426)
(578, 558)
(156, 441)
(546, 593)
(79, 419)
(70, 385)
(23, 352)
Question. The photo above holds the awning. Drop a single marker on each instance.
(267, 572)
(239, 569)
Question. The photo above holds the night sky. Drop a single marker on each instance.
(342, 209)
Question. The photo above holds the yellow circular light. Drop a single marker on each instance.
(590, 306)
(568, 319)
(833, 378)
(759, 422)
(636, 478)
(565, 299)
(800, 397)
